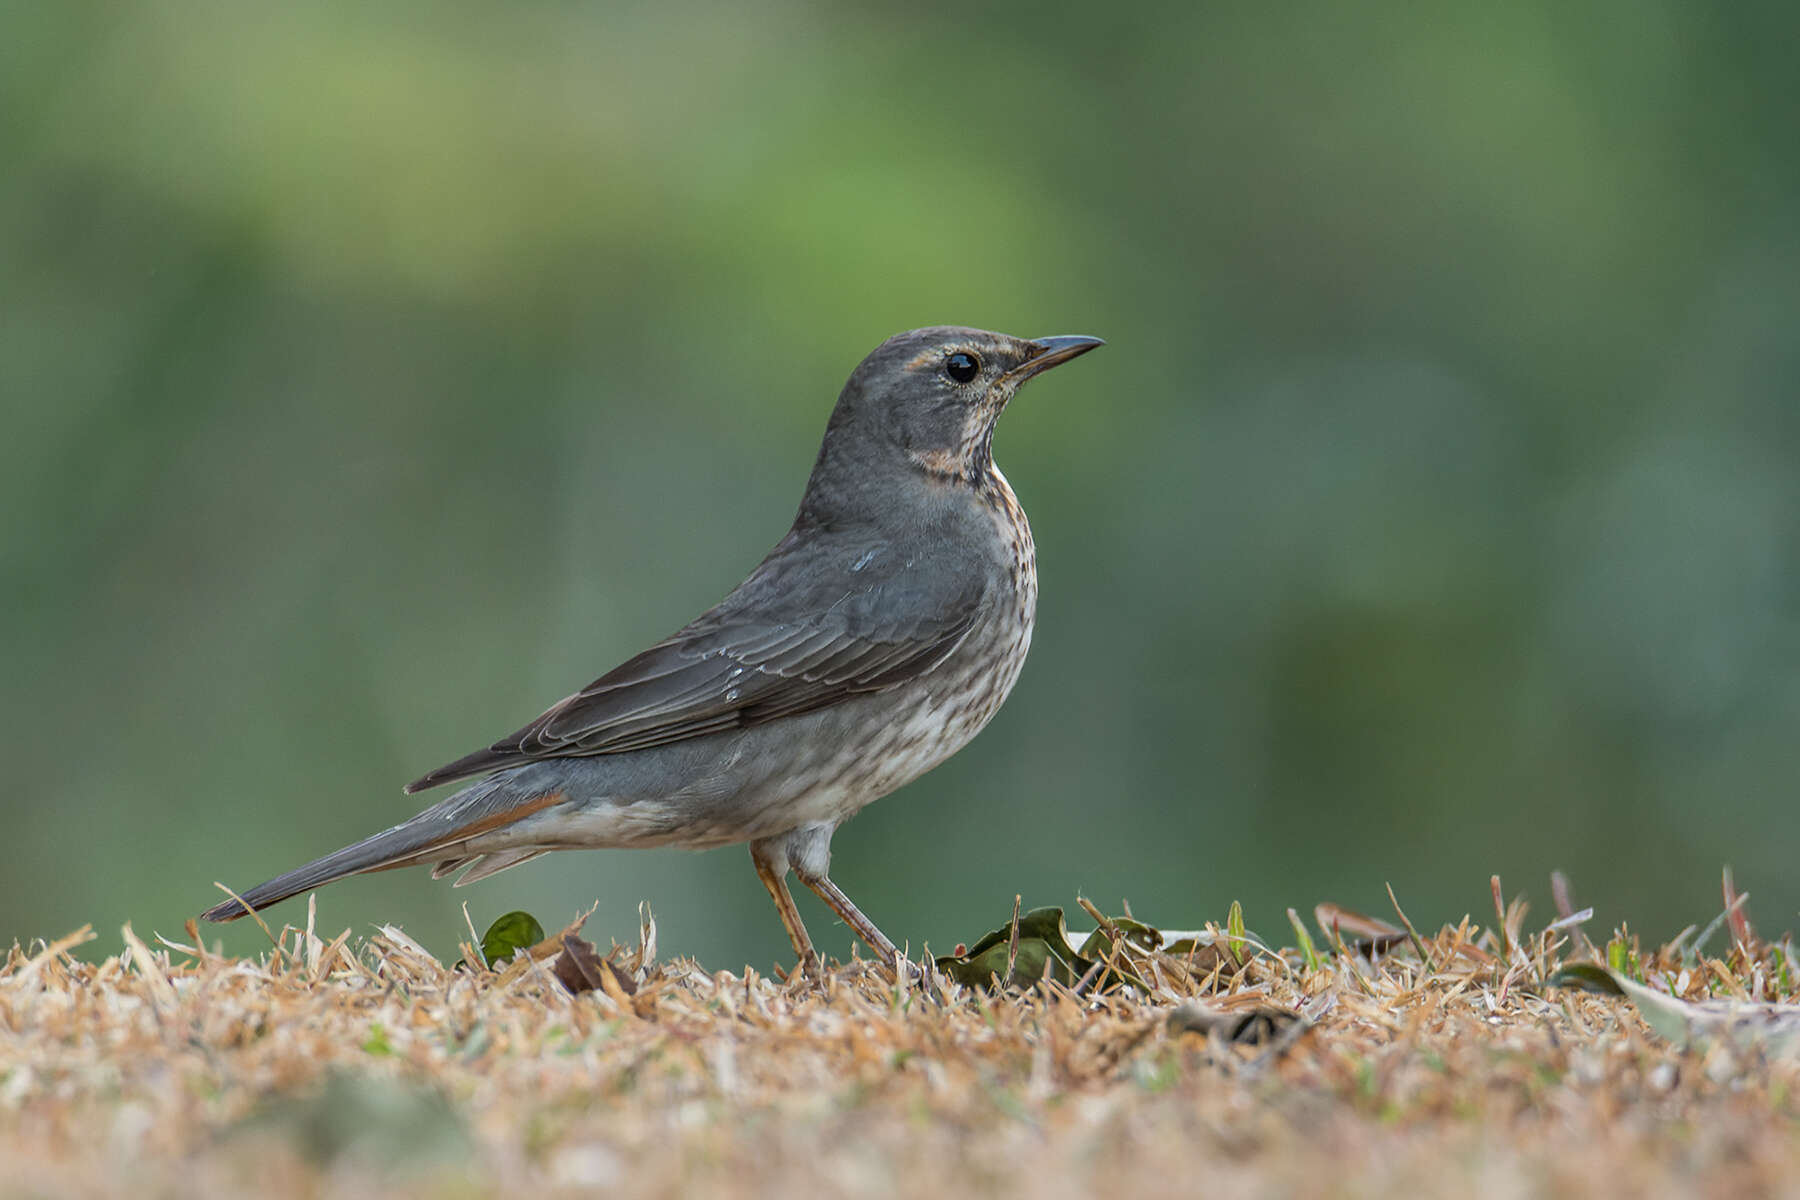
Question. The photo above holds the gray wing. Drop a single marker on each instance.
(811, 626)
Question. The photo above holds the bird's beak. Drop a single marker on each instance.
(1053, 351)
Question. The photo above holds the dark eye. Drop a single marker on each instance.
(962, 367)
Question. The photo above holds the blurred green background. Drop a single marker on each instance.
(376, 375)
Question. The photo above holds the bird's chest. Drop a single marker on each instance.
(1019, 569)
(923, 724)
(989, 661)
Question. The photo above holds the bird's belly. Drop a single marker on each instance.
(900, 751)
(907, 732)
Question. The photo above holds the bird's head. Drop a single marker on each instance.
(927, 402)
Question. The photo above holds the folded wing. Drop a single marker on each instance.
(798, 635)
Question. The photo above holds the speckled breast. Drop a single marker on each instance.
(939, 714)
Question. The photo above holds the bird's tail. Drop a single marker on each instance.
(401, 846)
(442, 831)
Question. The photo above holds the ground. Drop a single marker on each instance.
(1361, 1063)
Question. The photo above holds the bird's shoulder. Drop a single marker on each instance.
(869, 583)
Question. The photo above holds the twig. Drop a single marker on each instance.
(1418, 944)
(254, 916)
(1012, 941)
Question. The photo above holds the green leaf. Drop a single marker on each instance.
(1616, 954)
(1587, 977)
(1139, 937)
(1308, 953)
(508, 935)
(1043, 943)
(1044, 949)
(978, 970)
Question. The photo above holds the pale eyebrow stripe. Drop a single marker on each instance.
(933, 355)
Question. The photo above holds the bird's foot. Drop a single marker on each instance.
(909, 975)
(809, 971)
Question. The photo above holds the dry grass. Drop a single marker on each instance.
(331, 1067)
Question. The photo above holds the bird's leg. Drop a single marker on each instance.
(771, 862)
(808, 851)
(860, 925)
(865, 929)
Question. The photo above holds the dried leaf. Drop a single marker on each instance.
(581, 969)
(1774, 1028)
(1373, 935)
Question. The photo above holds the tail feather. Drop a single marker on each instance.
(492, 864)
(441, 833)
(401, 846)
(451, 866)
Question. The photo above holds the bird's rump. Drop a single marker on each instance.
(784, 643)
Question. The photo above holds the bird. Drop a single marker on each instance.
(876, 639)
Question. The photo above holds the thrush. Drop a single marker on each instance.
(875, 640)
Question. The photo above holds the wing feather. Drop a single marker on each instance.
(791, 639)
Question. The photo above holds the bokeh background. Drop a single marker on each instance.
(375, 375)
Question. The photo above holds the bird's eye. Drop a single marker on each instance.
(962, 367)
